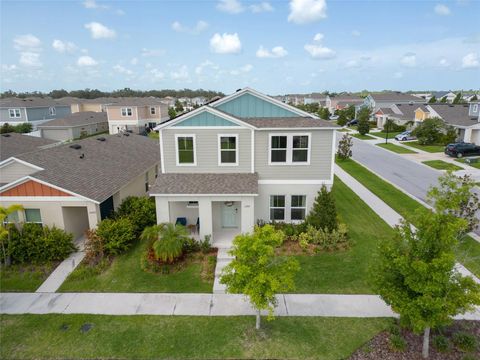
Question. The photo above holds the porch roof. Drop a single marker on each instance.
(206, 184)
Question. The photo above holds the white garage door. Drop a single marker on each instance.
(476, 137)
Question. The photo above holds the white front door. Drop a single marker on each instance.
(229, 216)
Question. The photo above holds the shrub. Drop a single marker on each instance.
(23, 128)
(430, 131)
(117, 235)
(140, 211)
(345, 147)
(205, 244)
(324, 213)
(324, 239)
(394, 329)
(393, 127)
(94, 248)
(465, 341)
(168, 241)
(398, 343)
(190, 245)
(441, 343)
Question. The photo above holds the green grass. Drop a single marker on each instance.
(345, 272)
(468, 252)
(475, 164)
(153, 135)
(181, 337)
(383, 135)
(126, 275)
(24, 278)
(395, 148)
(363, 137)
(442, 165)
(343, 130)
(427, 148)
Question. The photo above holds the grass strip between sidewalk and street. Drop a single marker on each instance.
(442, 165)
(383, 135)
(396, 149)
(363, 137)
(474, 163)
(468, 252)
(427, 148)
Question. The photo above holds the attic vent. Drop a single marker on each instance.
(6, 135)
(75, 146)
(101, 139)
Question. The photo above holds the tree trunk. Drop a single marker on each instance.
(426, 340)
(257, 323)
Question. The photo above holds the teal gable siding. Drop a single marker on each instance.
(205, 119)
(249, 106)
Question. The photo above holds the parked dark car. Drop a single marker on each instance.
(459, 150)
(352, 122)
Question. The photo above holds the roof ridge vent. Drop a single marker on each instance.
(75, 146)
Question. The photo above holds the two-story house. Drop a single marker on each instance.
(340, 102)
(239, 160)
(135, 114)
(31, 110)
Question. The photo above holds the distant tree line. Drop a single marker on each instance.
(126, 92)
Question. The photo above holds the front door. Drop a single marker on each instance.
(229, 215)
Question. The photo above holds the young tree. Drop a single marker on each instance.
(429, 131)
(443, 100)
(345, 145)
(171, 113)
(5, 234)
(458, 99)
(363, 117)
(349, 112)
(257, 272)
(415, 273)
(178, 106)
(324, 212)
(474, 98)
(432, 100)
(324, 113)
(342, 118)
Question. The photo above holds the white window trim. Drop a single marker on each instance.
(475, 108)
(194, 149)
(298, 207)
(154, 110)
(289, 149)
(219, 153)
(126, 111)
(33, 222)
(14, 113)
(270, 207)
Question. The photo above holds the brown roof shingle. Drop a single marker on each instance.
(288, 122)
(13, 144)
(77, 119)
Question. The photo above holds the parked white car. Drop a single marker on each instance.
(404, 136)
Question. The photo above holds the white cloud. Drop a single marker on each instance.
(230, 6)
(356, 33)
(86, 60)
(319, 51)
(152, 52)
(471, 61)
(261, 7)
(63, 46)
(198, 28)
(318, 37)
(30, 59)
(92, 4)
(307, 11)
(409, 59)
(27, 42)
(122, 70)
(242, 70)
(9, 68)
(99, 31)
(276, 52)
(398, 75)
(200, 69)
(225, 44)
(443, 62)
(134, 61)
(180, 74)
(441, 9)
(157, 74)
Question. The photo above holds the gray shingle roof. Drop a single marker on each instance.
(77, 119)
(288, 122)
(454, 114)
(236, 183)
(14, 144)
(106, 167)
(30, 102)
(396, 96)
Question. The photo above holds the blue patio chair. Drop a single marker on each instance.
(182, 221)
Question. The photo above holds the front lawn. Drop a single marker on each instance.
(363, 137)
(427, 148)
(391, 135)
(442, 165)
(468, 252)
(24, 277)
(183, 337)
(396, 149)
(124, 274)
(475, 163)
(345, 272)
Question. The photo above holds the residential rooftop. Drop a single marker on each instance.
(288, 122)
(455, 114)
(395, 96)
(13, 144)
(30, 102)
(76, 119)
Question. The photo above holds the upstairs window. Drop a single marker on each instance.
(278, 149)
(289, 149)
(126, 111)
(298, 207)
(153, 110)
(185, 150)
(277, 207)
(52, 111)
(228, 152)
(300, 148)
(14, 113)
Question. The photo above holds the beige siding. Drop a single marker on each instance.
(115, 113)
(91, 107)
(320, 158)
(14, 171)
(207, 150)
(135, 188)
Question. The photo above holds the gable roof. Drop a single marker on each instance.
(30, 102)
(289, 122)
(456, 115)
(395, 97)
(76, 119)
(13, 144)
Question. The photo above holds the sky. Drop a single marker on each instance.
(276, 47)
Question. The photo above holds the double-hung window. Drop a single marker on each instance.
(277, 207)
(126, 111)
(185, 150)
(153, 110)
(14, 113)
(227, 150)
(33, 216)
(298, 207)
(289, 149)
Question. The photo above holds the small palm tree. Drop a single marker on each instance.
(5, 232)
(168, 240)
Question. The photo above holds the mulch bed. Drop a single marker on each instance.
(379, 347)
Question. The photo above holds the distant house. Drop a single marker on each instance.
(74, 186)
(439, 95)
(83, 105)
(74, 126)
(31, 110)
(13, 144)
(199, 101)
(340, 102)
(387, 99)
(400, 114)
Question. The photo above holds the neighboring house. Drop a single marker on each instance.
(74, 126)
(315, 99)
(74, 186)
(242, 159)
(439, 95)
(31, 110)
(135, 114)
(13, 144)
(400, 114)
(199, 101)
(83, 105)
(169, 101)
(387, 99)
(340, 102)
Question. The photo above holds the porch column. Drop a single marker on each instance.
(162, 210)
(205, 216)
(248, 215)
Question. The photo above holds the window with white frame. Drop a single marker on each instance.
(126, 111)
(475, 108)
(12, 218)
(14, 113)
(228, 151)
(52, 111)
(33, 216)
(277, 207)
(298, 207)
(289, 149)
(185, 149)
(153, 110)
